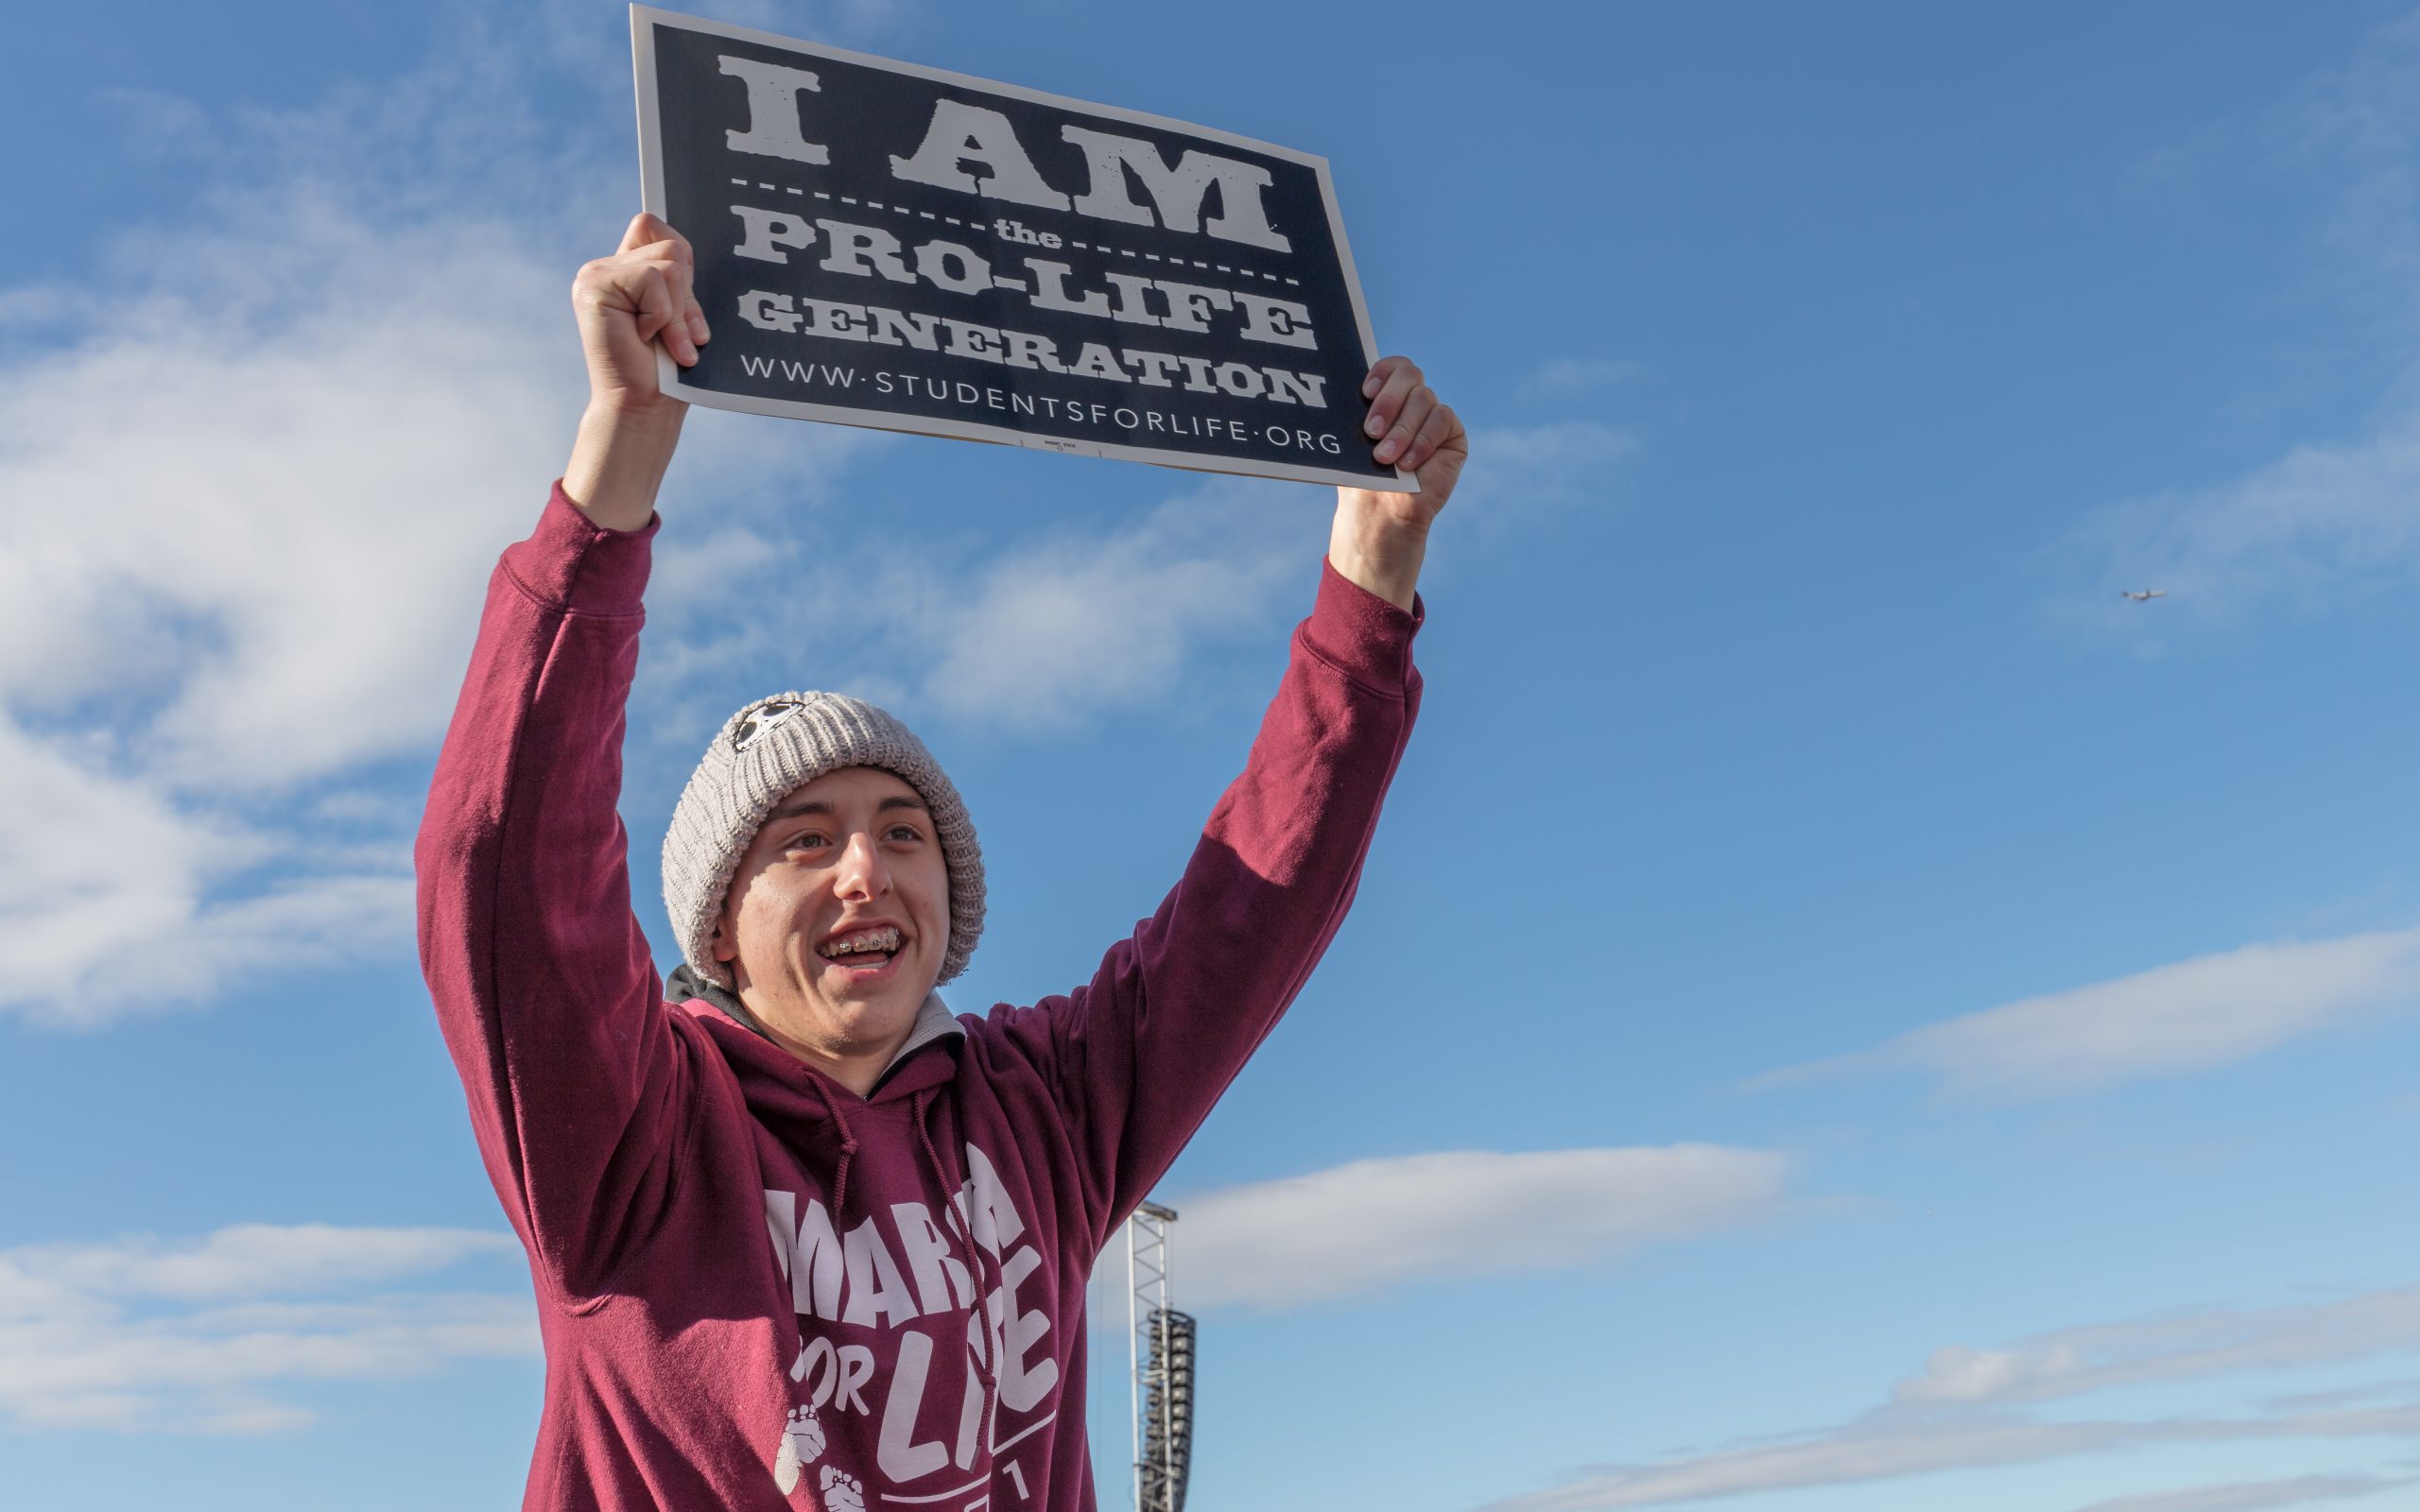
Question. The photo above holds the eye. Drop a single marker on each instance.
(905, 832)
(807, 840)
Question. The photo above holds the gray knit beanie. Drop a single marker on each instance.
(763, 754)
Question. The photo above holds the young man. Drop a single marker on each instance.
(800, 1237)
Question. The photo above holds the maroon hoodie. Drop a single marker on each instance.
(758, 1289)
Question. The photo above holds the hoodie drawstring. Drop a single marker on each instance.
(987, 1361)
(848, 1153)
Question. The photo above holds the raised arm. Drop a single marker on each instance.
(1144, 1049)
(627, 303)
(544, 984)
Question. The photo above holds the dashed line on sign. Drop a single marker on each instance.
(968, 225)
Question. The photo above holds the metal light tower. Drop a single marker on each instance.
(1160, 1345)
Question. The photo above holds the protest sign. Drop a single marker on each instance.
(884, 245)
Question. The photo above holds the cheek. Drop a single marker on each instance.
(759, 912)
(932, 887)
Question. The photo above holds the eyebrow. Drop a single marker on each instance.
(822, 810)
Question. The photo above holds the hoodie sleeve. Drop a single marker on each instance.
(544, 985)
(1141, 1053)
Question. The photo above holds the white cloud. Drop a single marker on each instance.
(259, 463)
(1051, 632)
(1864, 1455)
(1048, 634)
(2323, 522)
(2175, 1347)
(254, 1260)
(1956, 1413)
(110, 898)
(2255, 1496)
(2173, 1020)
(1038, 637)
(1847, 1457)
(257, 471)
(1570, 377)
(115, 1336)
(2361, 121)
(1515, 470)
(245, 556)
(1371, 1225)
(2329, 519)
(252, 533)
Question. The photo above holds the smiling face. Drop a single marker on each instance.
(837, 920)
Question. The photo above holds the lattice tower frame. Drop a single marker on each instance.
(1152, 1348)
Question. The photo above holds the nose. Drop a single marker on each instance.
(861, 872)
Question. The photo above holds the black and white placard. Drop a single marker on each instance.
(884, 245)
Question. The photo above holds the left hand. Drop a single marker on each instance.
(1380, 538)
(1415, 431)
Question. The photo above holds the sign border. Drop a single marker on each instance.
(654, 198)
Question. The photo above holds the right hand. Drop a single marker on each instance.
(626, 303)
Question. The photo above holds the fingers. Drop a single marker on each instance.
(651, 237)
(1441, 424)
(644, 229)
(651, 283)
(661, 313)
(1400, 406)
(1379, 372)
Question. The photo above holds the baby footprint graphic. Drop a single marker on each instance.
(802, 1441)
(843, 1493)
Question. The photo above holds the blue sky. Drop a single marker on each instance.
(1845, 1011)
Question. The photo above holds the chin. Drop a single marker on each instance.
(872, 1005)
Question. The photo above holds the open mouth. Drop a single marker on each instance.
(864, 949)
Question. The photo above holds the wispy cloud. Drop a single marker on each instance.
(1371, 1224)
(257, 468)
(2332, 519)
(1045, 635)
(2171, 1021)
(2255, 1496)
(2325, 520)
(253, 470)
(2176, 1347)
(1036, 637)
(1958, 1412)
(259, 462)
(1871, 1453)
(1048, 633)
(210, 1335)
(1515, 470)
(1564, 378)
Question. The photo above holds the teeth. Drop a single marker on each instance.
(864, 941)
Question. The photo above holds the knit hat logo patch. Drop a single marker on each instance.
(763, 721)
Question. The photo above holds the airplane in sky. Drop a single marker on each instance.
(2144, 595)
